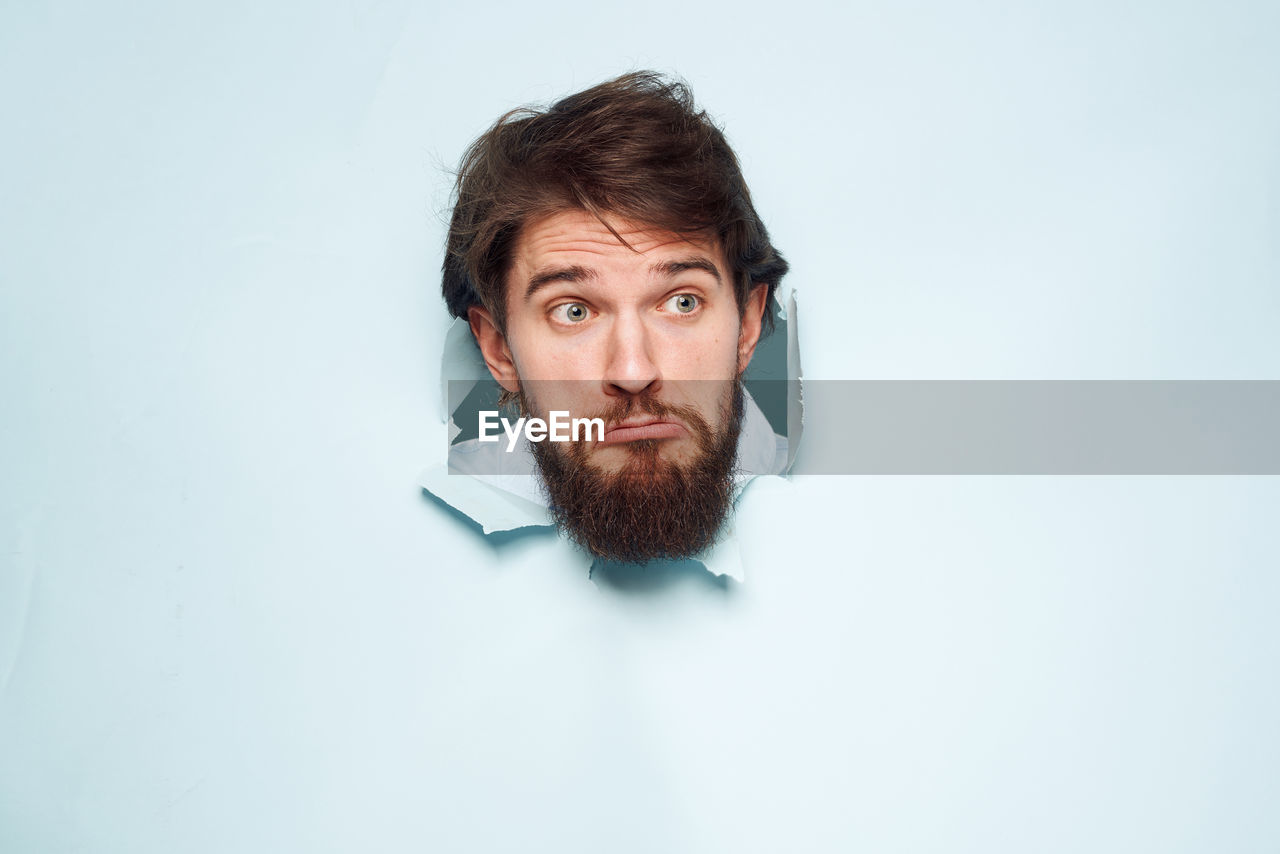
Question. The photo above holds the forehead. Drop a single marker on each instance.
(580, 237)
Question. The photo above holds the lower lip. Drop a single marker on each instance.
(657, 430)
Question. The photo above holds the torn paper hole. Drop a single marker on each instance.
(499, 489)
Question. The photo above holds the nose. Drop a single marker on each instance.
(631, 367)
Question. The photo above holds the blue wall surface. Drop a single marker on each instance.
(230, 621)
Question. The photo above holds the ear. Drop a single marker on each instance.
(752, 323)
(493, 346)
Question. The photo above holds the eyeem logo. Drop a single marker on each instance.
(560, 429)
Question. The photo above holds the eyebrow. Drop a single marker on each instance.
(670, 269)
(578, 273)
(541, 279)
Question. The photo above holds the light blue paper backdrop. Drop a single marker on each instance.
(230, 621)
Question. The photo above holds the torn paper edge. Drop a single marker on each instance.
(496, 505)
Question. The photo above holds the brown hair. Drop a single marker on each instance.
(635, 147)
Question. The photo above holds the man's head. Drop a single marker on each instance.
(610, 263)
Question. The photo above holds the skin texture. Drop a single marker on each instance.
(643, 335)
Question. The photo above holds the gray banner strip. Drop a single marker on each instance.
(1040, 427)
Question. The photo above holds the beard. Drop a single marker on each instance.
(650, 508)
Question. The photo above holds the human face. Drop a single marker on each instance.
(592, 324)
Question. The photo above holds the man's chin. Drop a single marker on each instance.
(647, 509)
(638, 505)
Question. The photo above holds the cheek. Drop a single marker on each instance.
(550, 366)
(709, 352)
(579, 398)
(541, 354)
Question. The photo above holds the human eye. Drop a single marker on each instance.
(571, 312)
(683, 303)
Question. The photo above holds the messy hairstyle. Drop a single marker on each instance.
(635, 147)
